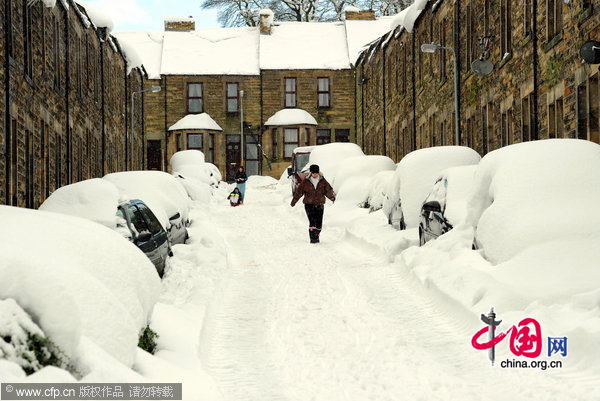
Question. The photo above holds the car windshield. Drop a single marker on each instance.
(137, 220)
(153, 222)
(301, 160)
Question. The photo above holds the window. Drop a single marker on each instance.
(178, 142)
(195, 103)
(582, 111)
(232, 97)
(486, 18)
(527, 20)
(505, 128)
(593, 110)
(78, 60)
(554, 18)
(323, 136)
(194, 141)
(505, 27)
(442, 54)
(342, 135)
(290, 141)
(323, 92)
(14, 155)
(470, 38)
(527, 119)
(290, 92)
(274, 139)
(27, 37)
(56, 51)
(555, 119)
(211, 148)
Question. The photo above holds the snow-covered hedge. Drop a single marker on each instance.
(80, 281)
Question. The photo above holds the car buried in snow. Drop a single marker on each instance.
(446, 204)
(99, 200)
(299, 168)
(413, 178)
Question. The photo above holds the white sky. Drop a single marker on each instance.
(135, 15)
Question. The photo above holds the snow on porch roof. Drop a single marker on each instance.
(196, 121)
(291, 117)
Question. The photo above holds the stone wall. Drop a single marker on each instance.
(537, 89)
(59, 102)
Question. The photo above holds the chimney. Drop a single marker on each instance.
(265, 19)
(354, 13)
(183, 24)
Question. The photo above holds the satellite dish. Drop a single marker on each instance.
(482, 67)
(590, 52)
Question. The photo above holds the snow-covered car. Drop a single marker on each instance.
(413, 178)
(298, 171)
(535, 193)
(446, 204)
(191, 165)
(329, 158)
(98, 200)
(162, 193)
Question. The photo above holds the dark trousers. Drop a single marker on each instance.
(315, 220)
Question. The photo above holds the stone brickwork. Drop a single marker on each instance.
(340, 115)
(67, 113)
(538, 89)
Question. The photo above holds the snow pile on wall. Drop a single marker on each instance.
(416, 173)
(179, 19)
(521, 188)
(78, 280)
(159, 190)
(291, 117)
(354, 177)
(94, 199)
(196, 121)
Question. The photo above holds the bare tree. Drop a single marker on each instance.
(245, 12)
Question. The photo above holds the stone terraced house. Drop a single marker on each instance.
(257, 73)
(65, 85)
(538, 88)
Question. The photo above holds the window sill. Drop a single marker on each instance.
(29, 81)
(584, 15)
(505, 60)
(526, 40)
(553, 42)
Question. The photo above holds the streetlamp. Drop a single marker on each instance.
(242, 126)
(151, 89)
(432, 48)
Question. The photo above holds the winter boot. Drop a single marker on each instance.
(312, 233)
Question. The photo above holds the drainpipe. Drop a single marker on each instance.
(7, 132)
(457, 77)
(143, 162)
(261, 128)
(68, 104)
(414, 96)
(384, 102)
(102, 89)
(164, 163)
(128, 135)
(362, 106)
(535, 71)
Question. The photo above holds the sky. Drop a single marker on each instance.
(135, 15)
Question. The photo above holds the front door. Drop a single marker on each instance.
(232, 155)
(154, 155)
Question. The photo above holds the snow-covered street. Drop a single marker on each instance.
(289, 320)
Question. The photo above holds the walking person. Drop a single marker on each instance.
(314, 188)
(240, 179)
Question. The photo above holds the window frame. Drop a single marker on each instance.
(321, 92)
(236, 98)
(286, 92)
(297, 142)
(187, 139)
(188, 98)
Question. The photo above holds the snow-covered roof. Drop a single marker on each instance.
(291, 117)
(97, 17)
(304, 45)
(148, 45)
(407, 17)
(196, 121)
(360, 34)
(211, 51)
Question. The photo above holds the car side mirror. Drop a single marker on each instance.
(432, 206)
(144, 237)
(290, 171)
(175, 217)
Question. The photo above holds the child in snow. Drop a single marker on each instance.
(235, 198)
(240, 179)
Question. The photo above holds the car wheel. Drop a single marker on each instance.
(421, 237)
